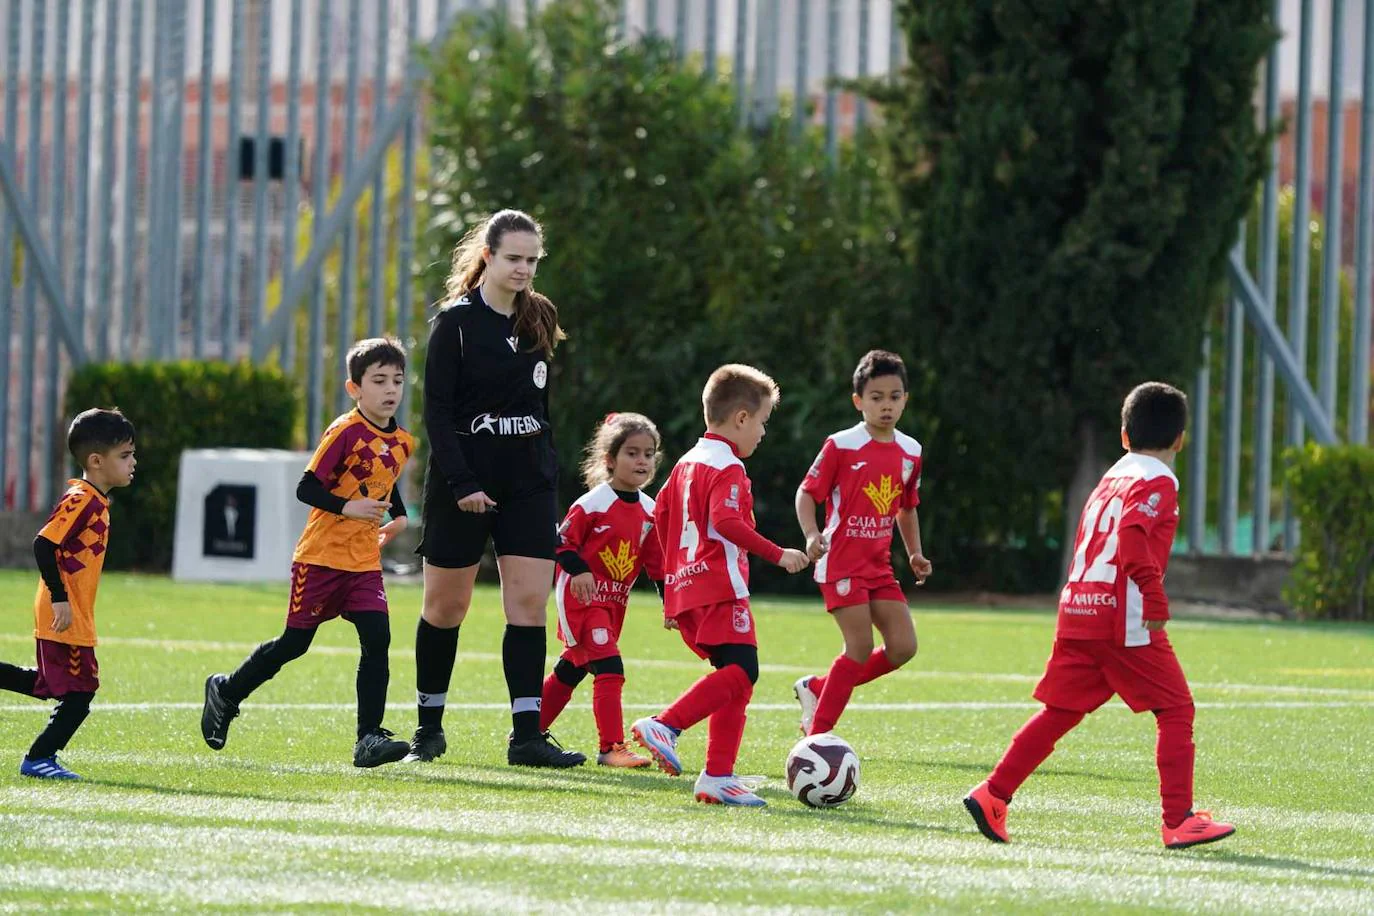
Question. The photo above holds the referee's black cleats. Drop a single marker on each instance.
(428, 744)
(378, 747)
(542, 751)
(217, 713)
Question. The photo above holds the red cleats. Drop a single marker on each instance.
(1196, 829)
(990, 813)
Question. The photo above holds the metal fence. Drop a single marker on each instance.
(242, 179)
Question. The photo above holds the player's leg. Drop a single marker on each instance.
(1072, 686)
(375, 745)
(70, 675)
(558, 690)
(718, 783)
(856, 626)
(607, 690)
(224, 693)
(16, 679)
(892, 617)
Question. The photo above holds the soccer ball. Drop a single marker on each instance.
(822, 771)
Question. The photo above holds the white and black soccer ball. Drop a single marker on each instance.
(822, 771)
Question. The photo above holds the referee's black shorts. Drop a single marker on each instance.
(520, 474)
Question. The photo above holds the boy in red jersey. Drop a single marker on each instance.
(350, 484)
(70, 552)
(605, 541)
(704, 517)
(867, 477)
(1110, 634)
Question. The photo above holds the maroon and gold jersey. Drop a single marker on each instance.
(80, 527)
(354, 460)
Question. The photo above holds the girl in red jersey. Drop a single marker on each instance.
(605, 541)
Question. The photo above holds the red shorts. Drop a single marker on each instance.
(1082, 674)
(591, 633)
(854, 591)
(727, 624)
(64, 669)
(319, 593)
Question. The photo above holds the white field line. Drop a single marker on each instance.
(332, 855)
(403, 658)
(952, 706)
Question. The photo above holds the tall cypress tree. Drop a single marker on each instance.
(1073, 172)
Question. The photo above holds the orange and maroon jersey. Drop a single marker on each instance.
(862, 483)
(80, 527)
(1100, 601)
(615, 538)
(354, 460)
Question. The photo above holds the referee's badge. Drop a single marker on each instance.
(541, 374)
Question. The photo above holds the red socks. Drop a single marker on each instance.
(610, 723)
(876, 666)
(836, 688)
(710, 694)
(1029, 748)
(725, 732)
(555, 697)
(1174, 755)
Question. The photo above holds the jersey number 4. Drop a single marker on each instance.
(1099, 519)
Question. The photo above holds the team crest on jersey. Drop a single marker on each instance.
(742, 623)
(842, 587)
(601, 635)
(733, 500)
(541, 374)
(644, 531)
(619, 563)
(907, 467)
(882, 494)
(1151, 506)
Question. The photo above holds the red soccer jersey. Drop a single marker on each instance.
(1100, 600)
(615, 539)
(707, 489)
(862, 483)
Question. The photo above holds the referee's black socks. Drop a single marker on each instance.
(522, 655)
(435, 650)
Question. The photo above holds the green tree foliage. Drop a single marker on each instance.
(176, 406)
(1073, 172)
(1333, 493)
(675, 241)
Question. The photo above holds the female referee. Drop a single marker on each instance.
(491, 474)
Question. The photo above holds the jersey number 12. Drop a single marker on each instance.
(1098, 520)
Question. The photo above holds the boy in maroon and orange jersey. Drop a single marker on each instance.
(70, 551)
(351, 482)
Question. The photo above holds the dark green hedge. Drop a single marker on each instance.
(176, 406)
(1333, 494)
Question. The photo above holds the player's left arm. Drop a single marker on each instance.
(909, 525)
(1145, 506)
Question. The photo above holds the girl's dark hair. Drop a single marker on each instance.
(536, 317)
(606, 443)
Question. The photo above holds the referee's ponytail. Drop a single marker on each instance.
(536, 317)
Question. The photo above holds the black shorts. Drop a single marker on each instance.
(520, 475)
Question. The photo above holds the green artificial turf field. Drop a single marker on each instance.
(281, 820)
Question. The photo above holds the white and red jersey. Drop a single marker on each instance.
(1120, 554)
(615, 538)
(707, 491)
(862, 484)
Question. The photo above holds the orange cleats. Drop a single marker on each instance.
(1197, 828)
(990, 814)
(621, 756)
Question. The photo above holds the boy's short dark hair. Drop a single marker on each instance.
(1154, 416)
(97, 431)
(374, 351)
(878, 363)
(735, 386)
